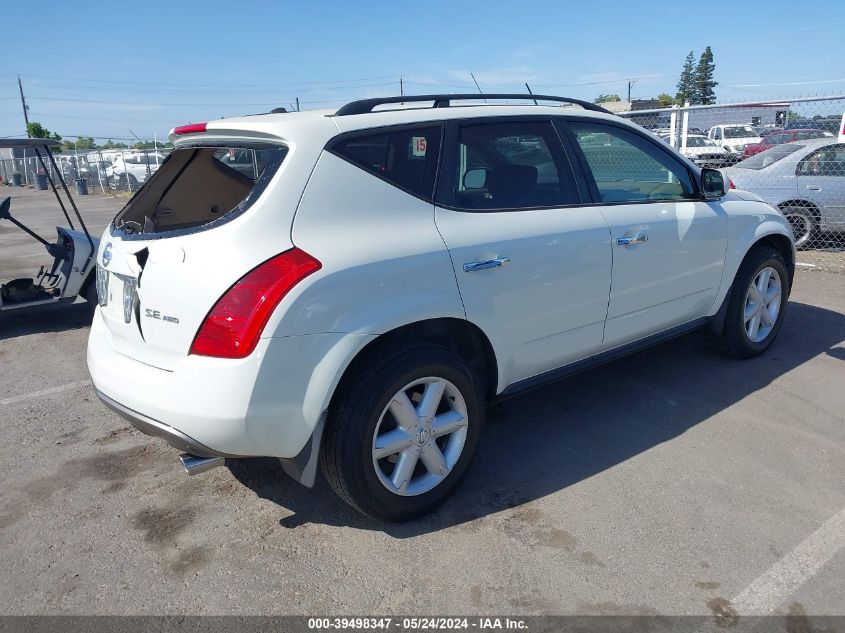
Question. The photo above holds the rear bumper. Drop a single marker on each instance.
(154, 428)
(265, 405)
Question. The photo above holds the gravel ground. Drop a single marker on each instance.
(673, 481)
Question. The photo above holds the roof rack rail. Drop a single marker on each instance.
(363, 106)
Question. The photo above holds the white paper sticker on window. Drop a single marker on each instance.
(418, 146)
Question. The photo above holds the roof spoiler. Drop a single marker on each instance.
(364, 106)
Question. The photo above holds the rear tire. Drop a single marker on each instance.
(803, 223)
(402, 430)
(756, 305)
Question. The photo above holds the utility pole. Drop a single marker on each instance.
(297, 104)
(23, 105)
(631, 82)
(401, 87)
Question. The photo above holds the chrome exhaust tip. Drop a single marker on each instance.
(194, 465)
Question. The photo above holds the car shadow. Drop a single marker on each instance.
(40, 319)
(548, 439)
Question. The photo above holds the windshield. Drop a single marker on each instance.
(699, 141)
(777, 138)
(739, 131)
(769, 157)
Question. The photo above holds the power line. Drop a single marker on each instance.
(790, 83)
(213, 91)
(213, 85)
(151, 103)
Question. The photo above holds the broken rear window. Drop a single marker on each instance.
(196, 186)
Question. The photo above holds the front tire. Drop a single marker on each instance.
(757, 304)
(402, 431)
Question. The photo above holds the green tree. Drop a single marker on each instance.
(35, 130)
(665, 100)
(686, 83)
(147, 144)
(603, 98)
(110, 144)
(704, 82)
(81, 142)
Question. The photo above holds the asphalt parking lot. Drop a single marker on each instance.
(674, 481)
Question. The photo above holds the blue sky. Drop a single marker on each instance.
(108, 68)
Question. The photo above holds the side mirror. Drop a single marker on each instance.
(475, 178)
(5, 204)
(712, 183)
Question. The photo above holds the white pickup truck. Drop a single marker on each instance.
(734, 137)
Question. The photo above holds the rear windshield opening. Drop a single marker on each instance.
(198, 185)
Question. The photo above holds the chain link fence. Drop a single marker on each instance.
(791, 153)
(104, 170)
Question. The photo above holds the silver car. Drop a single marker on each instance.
(805, 180)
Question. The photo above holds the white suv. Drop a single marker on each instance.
(386, 271)
(131, 169)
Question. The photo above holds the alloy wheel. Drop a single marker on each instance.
(420, 436)
(762, 304)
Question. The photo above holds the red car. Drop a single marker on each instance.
(781, 136)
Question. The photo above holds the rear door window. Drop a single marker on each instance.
(828, 161)
(511, 165)
(405, 157)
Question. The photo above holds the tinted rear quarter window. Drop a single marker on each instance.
(406, 158)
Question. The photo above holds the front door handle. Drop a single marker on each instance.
(637, 238)
(813, 188)
(471, 267)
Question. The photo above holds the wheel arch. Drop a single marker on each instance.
(802, 204)
(776, 239)
(345, 357)
(783, 245)
(460, 335)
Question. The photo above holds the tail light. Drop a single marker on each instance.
(233, 326)
(731, 184)
(191, 128)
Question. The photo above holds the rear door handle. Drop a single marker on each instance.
(637, 238)
(471, 267)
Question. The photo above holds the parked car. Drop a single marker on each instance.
(734, 138)
(390, 271)
(783, 136)
(805, 180)
(133, 169)
(704, 152)
(828, 124)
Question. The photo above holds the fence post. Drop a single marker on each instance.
(100, 169)
(673, 126)
(684, 127)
